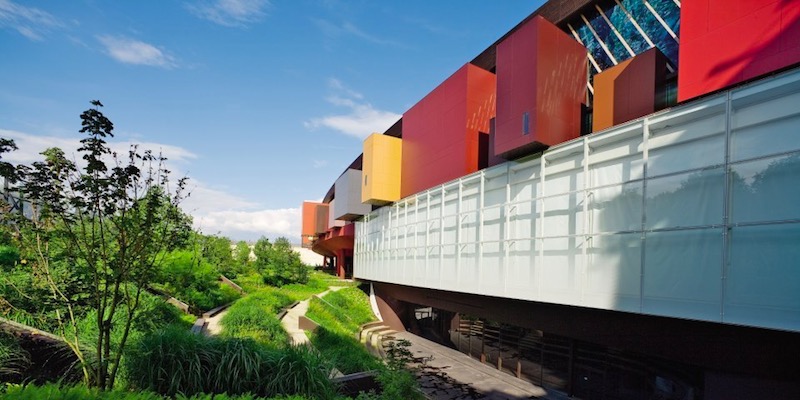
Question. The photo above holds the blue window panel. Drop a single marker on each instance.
(594, 47)
(669, 12)
(628, 31)
(653, 28)
(607, 36)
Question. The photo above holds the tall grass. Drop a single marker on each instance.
(175, 361)
(13, 359)
(342, 312)
(54, 391)
(346, 353)
(255, 317)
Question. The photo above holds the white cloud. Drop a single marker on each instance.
(233, 13)
(333, 31)
(30, 22)
(252, 224)
(213, 210)
(31, 145)
(320, 163)
(362, 118)
(132, 51)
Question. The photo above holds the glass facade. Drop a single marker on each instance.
(615, 30)
(585, 370)
(689, 213)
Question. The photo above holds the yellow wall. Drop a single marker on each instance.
(380, 183)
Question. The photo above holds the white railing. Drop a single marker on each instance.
(692, 212)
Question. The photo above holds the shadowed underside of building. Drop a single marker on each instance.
(603, 202)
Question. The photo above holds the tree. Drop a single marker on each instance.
(242, 255)
(278, 263)
(112, 219)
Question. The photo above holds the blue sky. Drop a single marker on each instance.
(261, 103)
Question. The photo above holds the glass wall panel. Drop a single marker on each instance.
(434, 232)
(616, 208)
(521, 269)
(660, 37)
(491, 268)
(563, 215)
(560, 270)
(523, 220)
(433, 266)
(616, 162)
(765, 127)
(683, 274)
(493, 224)
(468, 267)
(420, 263)
(626, 28)
(450, 229)
(589, 41)
(766, 190)
(613, 270)
(687, 145)
(469, 227)
(449, 276)
(608, 37)
(693, 199)
(763, 285)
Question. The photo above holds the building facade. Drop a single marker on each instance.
(603, 202)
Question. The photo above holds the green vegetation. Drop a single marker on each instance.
(175, 361)
(256, 315)
(192, 278)
(103, 235)
(278, 263)
(340, 314)
(53, 391)
(13, 359)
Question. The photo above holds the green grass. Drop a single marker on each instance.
(13, 359)
(346, 353)
(342, 312)
(255, 317)
(175, 361)
(54, 391)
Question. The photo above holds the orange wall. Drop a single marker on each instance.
(440, 133)
(315, 220)
(628, 90)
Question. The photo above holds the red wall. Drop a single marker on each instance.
(724, 42)
(540, 70)
(440, 133)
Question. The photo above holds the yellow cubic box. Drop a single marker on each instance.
(381, 169)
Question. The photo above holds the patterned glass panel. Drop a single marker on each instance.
(626, 28)
(593, 45)
(653, 28)
(607, 35)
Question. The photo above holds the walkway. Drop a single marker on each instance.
(291, 320)
(446, 373)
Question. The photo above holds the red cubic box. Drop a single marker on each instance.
(541, 84)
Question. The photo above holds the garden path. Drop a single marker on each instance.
(291, 321)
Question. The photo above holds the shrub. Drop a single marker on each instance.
(189, 277)
(176, 361)
(13, 359)
(255, 316)
(345, 352)
(53, 391)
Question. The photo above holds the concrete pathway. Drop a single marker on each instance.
(291, 321)
(213, 326)
(446, 373)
